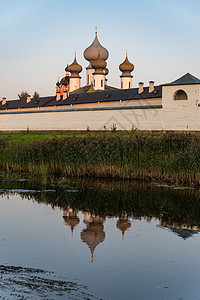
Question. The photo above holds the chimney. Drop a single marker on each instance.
(141, 88)
(3, 101)
(28, 99)
(151, 86)
(58, 96)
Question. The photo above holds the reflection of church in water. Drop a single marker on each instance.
(94, 233)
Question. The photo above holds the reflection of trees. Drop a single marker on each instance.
(112, 198)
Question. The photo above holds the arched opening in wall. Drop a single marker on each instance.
(180, 95)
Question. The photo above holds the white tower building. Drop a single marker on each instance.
(90, 54)
(99, 75)
(75, 79)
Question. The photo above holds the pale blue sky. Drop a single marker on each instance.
(37, 36)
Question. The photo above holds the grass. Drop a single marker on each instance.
(169, 157)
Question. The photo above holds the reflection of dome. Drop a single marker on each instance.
(71, 221)
(93, 235)
(123, 226)
(92, 51)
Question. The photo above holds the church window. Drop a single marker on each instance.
(101, 82)
(180, 95)
(129, 85)
(121, 85)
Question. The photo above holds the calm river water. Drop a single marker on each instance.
(98, 240)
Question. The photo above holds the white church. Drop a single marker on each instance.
(172, 106)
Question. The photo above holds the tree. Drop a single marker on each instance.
(36, 95)
(23, 95)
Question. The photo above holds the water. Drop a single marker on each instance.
(98, 240)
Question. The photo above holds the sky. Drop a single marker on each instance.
(38, 36)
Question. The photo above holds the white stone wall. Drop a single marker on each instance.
(174, 115)
(181, 114)
(81, 120)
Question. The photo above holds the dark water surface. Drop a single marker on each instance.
(98, 240)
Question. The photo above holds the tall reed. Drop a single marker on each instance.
(172, 157)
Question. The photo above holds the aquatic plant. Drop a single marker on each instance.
(171, 157)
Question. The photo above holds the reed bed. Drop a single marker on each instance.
(166, 157)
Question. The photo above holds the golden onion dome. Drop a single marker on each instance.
(92, 51)
(98, 63)
(126, 66)
(74, 67)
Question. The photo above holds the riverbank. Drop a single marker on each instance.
(172, 157)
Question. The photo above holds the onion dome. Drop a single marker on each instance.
(66, 69)
(89, 67)
(106, 71)
(98, 64)
(92, 51)
(74, 68)
(58, 82)
(65, 81)
(126, 68)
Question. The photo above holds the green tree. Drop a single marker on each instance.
(36, 95)
(23, 95)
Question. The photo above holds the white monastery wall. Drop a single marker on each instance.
(127, 119)
(181, 114)
(144, 114)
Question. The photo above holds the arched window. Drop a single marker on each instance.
(180, 95)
